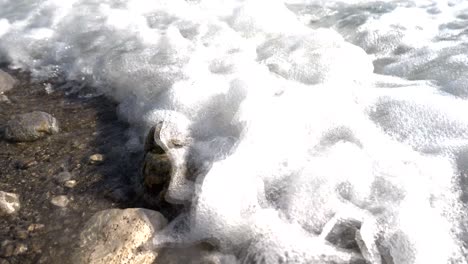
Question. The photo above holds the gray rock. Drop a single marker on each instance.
(9, 203)
(60, 201)
(116, 236)
(7, 82)
(165, 165)
(62, 177)
(31, 126)
(4, 99)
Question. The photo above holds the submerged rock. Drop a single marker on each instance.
(31, 126)
(9, 203)
(7, 82)
(116, 236)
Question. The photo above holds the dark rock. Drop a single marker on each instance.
(7, 82)
(343, 233)
(9, 203)
(31, 126)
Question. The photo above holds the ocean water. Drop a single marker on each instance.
(304, 111)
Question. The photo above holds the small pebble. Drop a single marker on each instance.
(62, 177)
(96, 158)
(9, 203)
(70, 184)
(7, 249)
(35, 227)
(20, 249)
(22, 234)
(60, 201)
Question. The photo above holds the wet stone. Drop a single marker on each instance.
(30, 126)
(96, 159)
(9, 203)
(7, 82)
(70, 184)
(60, 201)
(62, 177)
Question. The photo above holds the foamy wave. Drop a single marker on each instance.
(291, 104)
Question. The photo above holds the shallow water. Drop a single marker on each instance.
(305, 110)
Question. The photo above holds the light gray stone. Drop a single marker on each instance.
(116, 236)
(7, 82)
(31, 126)
(60, 201)
(9, 203)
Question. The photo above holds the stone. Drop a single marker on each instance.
(117, 236)
(60, 201)
(35, 227)
(4, 99)
(9, 203)
(96, 158)
(10, 248)
(70, 184)
(30, 126)
(7, 82)
(62, 177)
(341, 232)
(165, 165)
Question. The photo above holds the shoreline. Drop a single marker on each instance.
(89, 125)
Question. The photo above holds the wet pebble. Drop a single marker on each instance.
(60, 201)
(9, 203)
(35, 227)
(96, 158)
(62, 177)
(70, 184)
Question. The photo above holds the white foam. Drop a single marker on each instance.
(282, 102)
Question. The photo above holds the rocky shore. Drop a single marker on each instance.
(52, 183)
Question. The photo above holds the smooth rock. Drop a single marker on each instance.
(60, 201)
(96, 158)
(116, 236)
(9, 203)
(70, 184)
(7, 82)
(30, 126)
